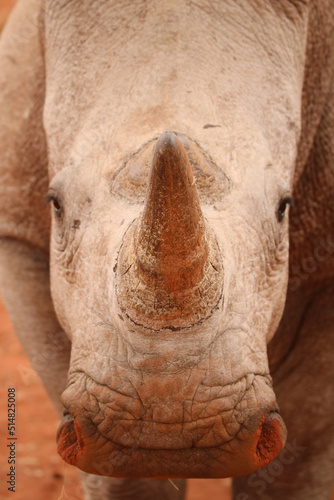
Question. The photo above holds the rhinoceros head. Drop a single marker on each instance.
(170, 281)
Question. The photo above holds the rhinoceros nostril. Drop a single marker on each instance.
(70, 443)
(65, 423)
(65, 412)
(272, 437)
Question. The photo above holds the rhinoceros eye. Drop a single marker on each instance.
(284, 202)
(58, 210)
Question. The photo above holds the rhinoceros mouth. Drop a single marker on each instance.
(81, 442)
(233, 459)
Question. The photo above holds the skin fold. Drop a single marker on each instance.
(178, 299)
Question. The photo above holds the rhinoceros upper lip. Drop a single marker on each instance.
(147, 422)
(240, 456)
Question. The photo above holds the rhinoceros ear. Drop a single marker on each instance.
(169, 273)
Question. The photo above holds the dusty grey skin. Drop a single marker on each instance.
(82, 87)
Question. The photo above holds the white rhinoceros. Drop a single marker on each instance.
(169, 138)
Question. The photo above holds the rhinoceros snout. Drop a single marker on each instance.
(176, 386)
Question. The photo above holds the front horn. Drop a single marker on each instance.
(169, 273)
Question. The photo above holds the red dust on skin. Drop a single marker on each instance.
(271, 441)
(70, 443)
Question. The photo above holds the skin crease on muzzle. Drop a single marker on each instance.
(260, 437)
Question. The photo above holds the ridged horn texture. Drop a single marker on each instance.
(169, 272)
(171, 248)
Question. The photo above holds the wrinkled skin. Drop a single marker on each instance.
(157, 394)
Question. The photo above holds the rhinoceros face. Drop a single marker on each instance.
(169, 268)
(169, 304)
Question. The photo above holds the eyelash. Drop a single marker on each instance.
(287, 200)
(56, 204)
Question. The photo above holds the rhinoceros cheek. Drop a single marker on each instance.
(69, 440)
